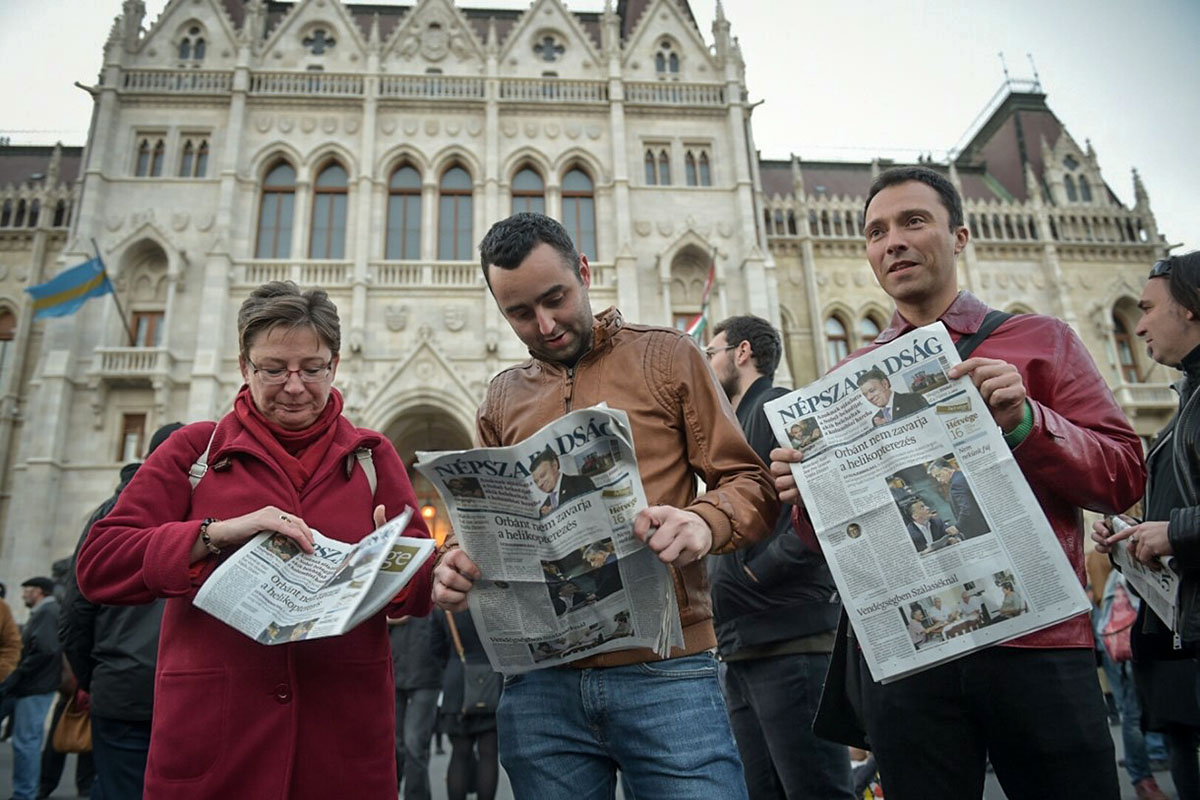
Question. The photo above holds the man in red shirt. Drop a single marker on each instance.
(1031, 706)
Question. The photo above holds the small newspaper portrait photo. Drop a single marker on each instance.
(583, 577)
(465, 487)
(853, 530)
(281, 546)
(804, 433)
(558, 487)
(893, 403)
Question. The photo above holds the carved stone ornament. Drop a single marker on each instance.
(411, 126)
(860, 279)
(435, 41)
(665, 227)
(286, 124)
(351, 125)
(531, 130)
(205, 221)
(822, 279)
(3, 272)
(388, 126)
(396, 318)
(573, 130)
(474, 127)
(1002, 280)
(985, 280)
(839, 278)
(329, 124)
(424, 369)
(1039, 281)
(453, 128)
(509, 128)
(594, 131)
(725, 228)
(425, 332)
(642, 227)
(114, 222)
(552, 130)
(180, 220)
(308, 124)
(454, 318)
(262, 123)
(1021, 281)
(431, 127)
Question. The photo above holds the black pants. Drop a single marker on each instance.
(1037, 714)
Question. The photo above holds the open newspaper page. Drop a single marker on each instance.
(934, 537)
(549, 523)
(273, 592)
(1158, 585)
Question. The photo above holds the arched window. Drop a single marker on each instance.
(156, 159)
(528, 192)
(198, 50)
(651, 169)
(19, 219)
(275, 213)
(689, 169)
(329, 213)
(35, 209)
(404, 215)
(202, 159)
(455, 215)
(868, 329)
(8, 332)
(1085, 189)
(666, 60)
(579, 211)
(705, 172)
(837, 343)
(60, 214)
(664, 168)
(1069, 185)
(1125, 358)
(143, 159)
(187, 160)
(6, 214)
(191, 46)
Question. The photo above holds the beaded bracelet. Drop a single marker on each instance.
(204, 537)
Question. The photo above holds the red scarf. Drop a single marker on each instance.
(299, 453)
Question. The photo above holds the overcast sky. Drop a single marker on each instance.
(844, 80)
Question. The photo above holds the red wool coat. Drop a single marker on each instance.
(234, 718)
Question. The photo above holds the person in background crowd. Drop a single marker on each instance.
(1031, 706)
(1168, 684)
(33, 684)
(234, 718)
(418, 665)
(775, 607)
(112, 651)
(473, 756)
(660, 722)
(10, 637)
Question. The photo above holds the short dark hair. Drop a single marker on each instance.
(510, 241)
(1184, 281)
(764, 340)
(950, 197)
(282, 304)
(906, 506)
(938, 463)
(873, 374)
(546, 456)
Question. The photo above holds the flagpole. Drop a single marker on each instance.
(121, 311)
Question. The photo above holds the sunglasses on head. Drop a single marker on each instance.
(1162, 267)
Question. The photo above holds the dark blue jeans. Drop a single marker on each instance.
(772, 702)
(1037, 714)
(119, 748)
(416, 713)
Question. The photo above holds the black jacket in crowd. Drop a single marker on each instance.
(418, 653)
(40, 669)
(792, 594)
(112, 649)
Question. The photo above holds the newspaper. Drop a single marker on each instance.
(936, 542)
(1158, 585)
(549, 523)
(273, 592)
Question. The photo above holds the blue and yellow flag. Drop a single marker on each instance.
(66, 292)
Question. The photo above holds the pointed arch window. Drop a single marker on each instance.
(193, 158)
(651, 169)
(689, 169)
(151, 151)
(1126, 360)
(666, 59)
(664, 168)
(837, 343)
(330, 193)
(579, 211)
(696, 168)
(868, 329)
(192, 46)
(1085, 189)
(404, 215)
(19, 219)
(275, 211)
(8, 332)
(455, 214)
(528, 192)
(6, 214)
(1069, 185)
(35, 210)
(60, 214)
(156, 159)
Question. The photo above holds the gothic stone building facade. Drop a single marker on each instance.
(366, 149)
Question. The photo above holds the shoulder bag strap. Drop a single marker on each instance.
(454, 635)
(200, 466)
(967, 344)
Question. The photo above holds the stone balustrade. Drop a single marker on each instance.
(117, 363)
(306, 83)
(303, 272)
(173, 81)
(553, 90)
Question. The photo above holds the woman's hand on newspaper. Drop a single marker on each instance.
(229, 532)
(1001, 386)
(1145, 541)
(452, 579)
(782, 459)
(678, 537)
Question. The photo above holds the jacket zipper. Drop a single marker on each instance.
(567, 396)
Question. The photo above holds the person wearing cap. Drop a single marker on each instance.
(33, 684)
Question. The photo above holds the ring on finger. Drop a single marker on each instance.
(285, 518)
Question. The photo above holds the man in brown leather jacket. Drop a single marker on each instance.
(662, 723)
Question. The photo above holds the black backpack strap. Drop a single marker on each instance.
(967, 344)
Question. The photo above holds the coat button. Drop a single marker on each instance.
(283, 693)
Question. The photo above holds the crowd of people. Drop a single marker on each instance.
(737, 710)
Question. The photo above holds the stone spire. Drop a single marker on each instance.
(254, 22)
(610, 30)
(132, 12)
(492, 45)
(721, 38)
(374, 43)
(55, 166)
(1032, 187)
(1141, 199)
(797, 177)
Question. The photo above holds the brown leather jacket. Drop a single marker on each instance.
(683, 428)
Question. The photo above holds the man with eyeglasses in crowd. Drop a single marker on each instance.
(1031, 706)
(775, 607)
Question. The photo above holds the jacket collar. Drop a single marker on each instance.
(604, 328)
(963, 316)
(754, 391)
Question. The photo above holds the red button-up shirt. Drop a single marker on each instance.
(1081, 453)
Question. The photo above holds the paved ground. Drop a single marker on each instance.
(438, 770)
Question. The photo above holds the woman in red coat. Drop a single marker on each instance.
(234, 718)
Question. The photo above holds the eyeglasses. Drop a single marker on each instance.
(276, 375)
(708, 351)
(1162, 267)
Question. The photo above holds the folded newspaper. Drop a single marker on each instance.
(936, 542)
(549, 523)
(273, 592)
(1158, 585)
